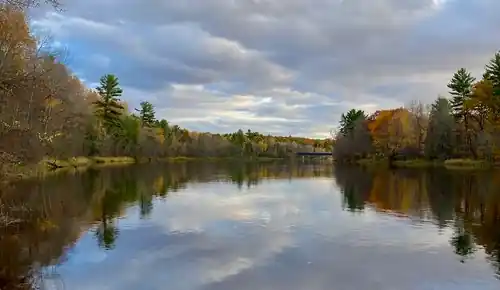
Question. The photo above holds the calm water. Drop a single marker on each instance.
(265, 226)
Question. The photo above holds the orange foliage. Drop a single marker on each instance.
(390, 129)
(382, 118)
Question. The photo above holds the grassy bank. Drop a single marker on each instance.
(51, 166)
(468, 164)
(452, 164)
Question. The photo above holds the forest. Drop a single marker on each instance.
(461, 128)
(47, 113)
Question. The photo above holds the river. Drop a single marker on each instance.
(253, 226)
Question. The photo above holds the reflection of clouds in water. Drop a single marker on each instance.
(275, 203)
(86, 253)
(278, 235)
(259, 219)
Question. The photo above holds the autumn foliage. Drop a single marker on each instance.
(46, 112)
(465, 125)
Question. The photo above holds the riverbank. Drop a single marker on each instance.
(452, 164)
(49, 166)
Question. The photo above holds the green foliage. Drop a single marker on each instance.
(461, 90)
(108, 107)
(493, 75)
(493, 71)
(466, 126)
(439, 140)
(349, 119)
(147, 114)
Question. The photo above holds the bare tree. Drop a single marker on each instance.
(419, 121)
(25, 4)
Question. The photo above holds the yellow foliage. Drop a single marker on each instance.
(52, 102)
(390, 129)
(159, 135)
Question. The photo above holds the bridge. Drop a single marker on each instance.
(314, 153)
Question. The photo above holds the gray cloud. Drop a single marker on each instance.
(296, 60)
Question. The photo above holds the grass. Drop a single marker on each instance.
(112, 160)
(50, 166)
(237, 158)
(372, 162)
(416, 163)
(467, 164)
(451, 164)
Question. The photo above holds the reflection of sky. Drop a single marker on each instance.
(277, 235)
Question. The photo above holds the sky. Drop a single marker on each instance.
(287, 67)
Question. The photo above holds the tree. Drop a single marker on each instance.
(461, 90)
(391, 131)
(482, 103)
(439, 139)
(357, 144)
(461, 86)
(493, 71)
(147, 114)
(419, 122)
(108, 107)
(349, 119)
(492, 74)
(25, 4)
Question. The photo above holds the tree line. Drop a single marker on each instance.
(45, 110)
(466, 124)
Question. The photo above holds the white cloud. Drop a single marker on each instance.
(229, 64)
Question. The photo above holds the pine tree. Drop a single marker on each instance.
(350, 119)
(461, 89)
(439, 139)
(493, 75)
(493, 72)
(147, 114)
(108, 107)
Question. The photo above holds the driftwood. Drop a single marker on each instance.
(53, 165)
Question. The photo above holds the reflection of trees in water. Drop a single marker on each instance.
(467, 202)
(58, 206)
(355, 185)
(45, 228)
(462, 241)
(46, 278)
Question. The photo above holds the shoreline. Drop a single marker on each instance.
(450, 164)
(49, 166)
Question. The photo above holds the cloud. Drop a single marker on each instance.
(223, 64)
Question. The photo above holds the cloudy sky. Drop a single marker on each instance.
(275, 66)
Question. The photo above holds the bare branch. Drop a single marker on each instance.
(26, 4)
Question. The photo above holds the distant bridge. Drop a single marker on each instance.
(314, 153)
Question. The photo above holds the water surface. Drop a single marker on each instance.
(255, 226)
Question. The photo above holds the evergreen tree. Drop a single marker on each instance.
(147, 114)
(493, 75)
(493, 72)
(439, 140)
(349, 120)
(461, 86)
(108, 107)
